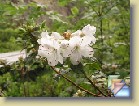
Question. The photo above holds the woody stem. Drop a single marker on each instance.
(81, 88)
(92, 83)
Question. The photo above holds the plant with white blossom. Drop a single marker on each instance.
(78, 45)
(65, 54)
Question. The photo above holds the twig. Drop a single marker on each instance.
(94, 84)
(81, 88)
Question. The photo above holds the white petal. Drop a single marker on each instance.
(44, 38)
(42, 51)
(55, 44)
(52, 62)
(52, 59)
(74, 41)
(75, 58)
(89, 30)
(88, 40)
(77, 33)
(64, 44)
(51, 43)
(56, 36)
(87, 51)
(65, 48)
(60, 58)
(45, 35)
(66, 52)
(93, 39)
(39, 41)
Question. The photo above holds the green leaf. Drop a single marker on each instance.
(74, 11)
(123, 74)
(77, 68)
(63, 2)
(43, 24)
(91, 66)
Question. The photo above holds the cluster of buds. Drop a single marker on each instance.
(112, 66)
(79, 93)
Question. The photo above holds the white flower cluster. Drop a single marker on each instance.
(55, 47)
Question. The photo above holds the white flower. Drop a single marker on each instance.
(55, 48)
(51, 50)
(44, 38)
(86, 31)
(78, 48)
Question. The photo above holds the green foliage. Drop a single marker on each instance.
(74, 11)
(63, 2)
(8, 40)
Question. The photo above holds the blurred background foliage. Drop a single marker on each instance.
(112, 49)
